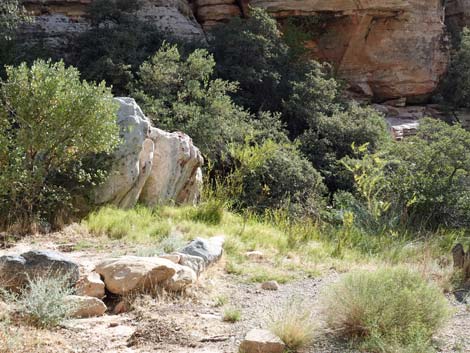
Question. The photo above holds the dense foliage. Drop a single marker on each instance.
(50, 123)
(273, 124)
(11, 14)
(423, 181)
(455, 88)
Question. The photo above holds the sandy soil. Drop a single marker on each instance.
(193, 324)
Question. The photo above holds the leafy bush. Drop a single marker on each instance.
(181, 94)
(423, 181)
(116, 45)
(455, 88)
(251, 51)
(389, 310)
(50, 124)
(274, 175)
(330, 138)
(294, 324)
(43, 302)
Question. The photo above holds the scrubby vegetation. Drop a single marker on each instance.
(389, 310)
(293, 168)
(43, 302)
(51, 124)
(294, 324)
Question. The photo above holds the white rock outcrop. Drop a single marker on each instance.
(150, 166)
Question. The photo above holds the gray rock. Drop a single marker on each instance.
(16, 270)
(196, 263)
(262, 341)
(210, 250)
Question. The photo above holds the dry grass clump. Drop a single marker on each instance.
(43, 302)
(389, 310)
(294, 324)
(231, 315)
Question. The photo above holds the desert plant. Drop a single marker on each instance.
(231, 315)
(43, 301)
(51, 122)
(388, 310)
(293, 323)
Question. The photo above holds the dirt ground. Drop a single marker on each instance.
(193, 323)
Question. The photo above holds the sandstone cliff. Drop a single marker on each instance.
(385, 48)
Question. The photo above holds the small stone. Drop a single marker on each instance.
(262, 341)
(270, 285)
(91, 286)
(86, 306)
(254, 255)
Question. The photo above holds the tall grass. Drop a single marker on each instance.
(294, 323)
(390, 310)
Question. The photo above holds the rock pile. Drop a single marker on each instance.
(118, 276)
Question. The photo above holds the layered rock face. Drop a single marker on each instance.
(150, 166)
(386, 49)
(56, 20)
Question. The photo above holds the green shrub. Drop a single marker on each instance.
(11, 14)
(330, 138)
(181, 94)
(43, 302)
(275, 175)
(423, 181)
(51, 123)
(388, 310)
(116, 45)
(252, 52)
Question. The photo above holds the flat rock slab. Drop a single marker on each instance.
(17, 270)
(262, 341)
(132, 273)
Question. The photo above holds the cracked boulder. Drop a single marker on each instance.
(151, 166)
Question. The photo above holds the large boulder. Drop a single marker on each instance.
(150, 166)
(17, 270)
(130, 274)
